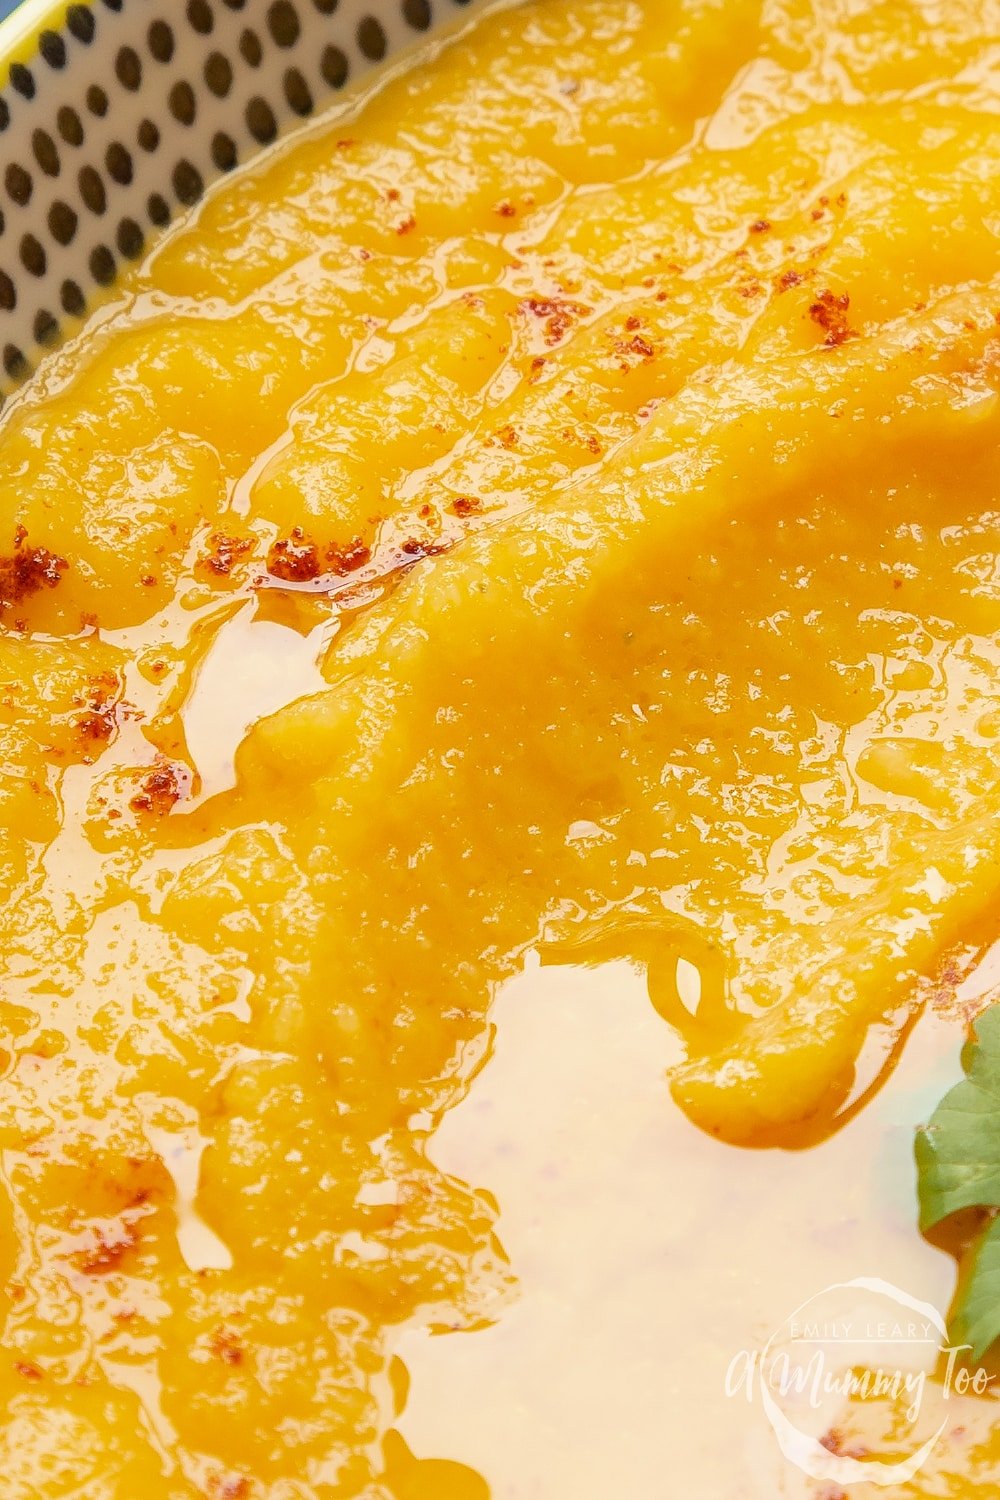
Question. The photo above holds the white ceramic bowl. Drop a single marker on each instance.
(116, 116)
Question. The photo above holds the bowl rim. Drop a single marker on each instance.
(21, 30)
(117, 118)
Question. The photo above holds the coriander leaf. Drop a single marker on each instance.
(975, 1319)
(958, 1166)
(958, 1153)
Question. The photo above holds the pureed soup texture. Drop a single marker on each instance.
(542, 521)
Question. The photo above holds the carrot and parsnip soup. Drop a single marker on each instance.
(535, 534)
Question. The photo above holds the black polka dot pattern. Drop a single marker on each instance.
(130, 239)
(182, 103)
(158, 209)
(70, 126)
(199, 14)
(297, 94)
(18, 183)
(33, 257)
(283, 23)
(417, 14)
(148, 135)
(97, 101)
(14, 362)
(334, 67)
(92, 190)
(160, 39)
(260, 120)
(46, 153)
(218, 74)
(128, 69)
(371, 38)
(224, 153)
(251, 51)
(118, 162)
(80, 23)
(23, 80)
(53, 49)
(71, 299)
(102, 265)
(128, 109)
(45, 328)
(187, 182)
(62, 222)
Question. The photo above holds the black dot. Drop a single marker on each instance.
(70, 126)
(325, 7)
(72, 299)
(92, 190)
(14, 362)
(113, 4)
(18, 183)
(218, 74)
(22, 80)
(32, 255)
(128, 68)
(119, 163)
(46, 152)
(62, 222)
(102, 265)
(53, 49)
(8, 293)
(97, 100)
(161, 41)
(223, 151)
(182, 103)
(158, 209)
(250, 48)
(130, 239)
(260, 120)
(199, 14)
(234, 4)
(148, 135)
(334, 67)
(4, 114)
(187, 182)
(45, 328)
(80, 20)
(283, 23)
(417, 13)
(371, 38)
(297, 92)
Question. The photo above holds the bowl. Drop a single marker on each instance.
(115, 118)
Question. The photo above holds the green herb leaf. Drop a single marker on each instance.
(958, 1166)
(976, 1317)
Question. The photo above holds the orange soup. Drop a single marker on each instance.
(499, 697)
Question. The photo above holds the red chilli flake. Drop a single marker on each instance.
(349, 558)
(28, 570)
(161, 791)
(294, 559)
(466, 505)
(223, 552)
(829, 312)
